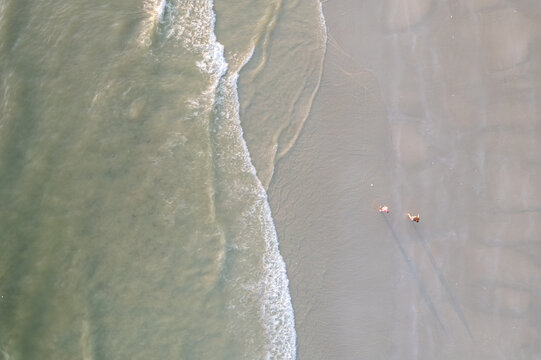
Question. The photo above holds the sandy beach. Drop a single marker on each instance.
(201, 179)
(431, 108)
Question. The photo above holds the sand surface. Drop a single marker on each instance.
(433, 108)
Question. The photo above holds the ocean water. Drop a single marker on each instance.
(133, 221)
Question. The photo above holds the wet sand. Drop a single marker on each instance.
(432, 108)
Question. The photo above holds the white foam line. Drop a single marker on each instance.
(276, 308)
(276, 312)
(161, 9)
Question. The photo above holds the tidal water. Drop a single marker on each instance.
(133, 222)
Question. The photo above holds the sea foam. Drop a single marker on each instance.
(276, 310)
(191, 23)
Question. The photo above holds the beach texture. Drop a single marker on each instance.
(427, 107)
(198, 179)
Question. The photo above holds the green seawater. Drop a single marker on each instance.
(132, 222)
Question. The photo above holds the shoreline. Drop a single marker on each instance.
(317, 205)
(405, 99)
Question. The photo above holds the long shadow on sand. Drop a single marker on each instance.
(443, 282)
(441, 277)
(413, 271)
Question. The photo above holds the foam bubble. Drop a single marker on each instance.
(5, 355)
(161, 10)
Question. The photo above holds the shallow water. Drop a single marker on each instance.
(133, 223)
